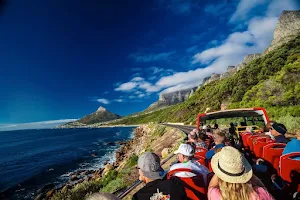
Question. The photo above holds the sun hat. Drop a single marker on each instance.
(185, 149)
(278, 127)
(231, 166)
(149, 164)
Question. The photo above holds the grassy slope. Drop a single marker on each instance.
(271, 81)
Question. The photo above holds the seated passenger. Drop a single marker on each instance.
(185, 155)
(278, 131)
(194, 138)
(216, 126)
(234, 178)
(201, 140)
(219, 139)
(151, 173)
(293, 146)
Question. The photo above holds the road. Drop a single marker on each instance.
(185, 129)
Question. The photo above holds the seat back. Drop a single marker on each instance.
(200, 151)
(201, 160)
(244, 139)
(250, 141)
(288, 164)
(195, 187)
(259, 144)
(272, 153)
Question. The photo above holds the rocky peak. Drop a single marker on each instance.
(101, 109)
(211, 78)
(288, 26)
(248, 59)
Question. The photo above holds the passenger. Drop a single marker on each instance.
(151, 173)
(201, 140)
(194, 138)
(278, 131)
(232, 129)
(102, 196)
(185, 154)
(293, 146)
(219, 139)
(234, 178)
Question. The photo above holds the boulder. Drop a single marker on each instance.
(50, 193)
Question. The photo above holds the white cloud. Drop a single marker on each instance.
(231, 51)
(137, 79)
(243, 9)
(104, 101)
(126, 87)
(119, 100)
(148, 87)
(34, 125)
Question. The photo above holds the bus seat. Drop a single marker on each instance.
(194, 186)
(250, 141)
(272, 153)
(259, 144)
(290, 169)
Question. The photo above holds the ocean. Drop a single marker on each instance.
(30, 159)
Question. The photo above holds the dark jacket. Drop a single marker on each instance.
(166, 187)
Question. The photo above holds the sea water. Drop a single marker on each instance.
(30, 159)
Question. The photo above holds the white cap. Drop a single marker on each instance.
(185, 149)
(204, 127)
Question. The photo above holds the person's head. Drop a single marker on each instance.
(102, 196)
(219, 136)
(202, 137)
(149, 167)
(216, 126)
(193, 136)
(231, 124)
(277, 129)
(234, 173)
(192, 144)
(184, 153)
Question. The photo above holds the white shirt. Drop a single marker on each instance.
(195, 166)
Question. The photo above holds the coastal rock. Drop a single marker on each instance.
(50, 193)
(39, 197)
(107, 168)
(74, 178)
(45, 188)
(94, 154)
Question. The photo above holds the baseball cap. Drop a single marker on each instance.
(149, 164)
(185, 149)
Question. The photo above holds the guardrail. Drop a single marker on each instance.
(138, 182)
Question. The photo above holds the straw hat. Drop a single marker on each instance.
(231, 166)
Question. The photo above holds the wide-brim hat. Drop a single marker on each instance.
(231, 166)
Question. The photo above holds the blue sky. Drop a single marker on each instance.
(63, 59)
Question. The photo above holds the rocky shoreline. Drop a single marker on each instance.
(80, 176)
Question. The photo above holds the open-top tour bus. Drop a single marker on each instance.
(253, 115)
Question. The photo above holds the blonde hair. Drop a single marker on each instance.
(236, 191)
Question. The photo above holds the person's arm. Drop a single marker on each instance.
(214, 182)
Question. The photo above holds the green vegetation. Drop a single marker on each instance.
(272, 82)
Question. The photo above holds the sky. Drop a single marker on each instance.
(61, 60)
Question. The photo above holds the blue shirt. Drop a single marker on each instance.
(291, 147)
(281, 139)
(209, 154)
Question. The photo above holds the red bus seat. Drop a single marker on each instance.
(201, 160)
(258, 145)
(244, 139)
(200, 151)
(272, 153)
(250, 141)
(194, 186)
(288, 166)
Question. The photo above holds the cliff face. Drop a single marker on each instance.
(288, 26)
(172, 98)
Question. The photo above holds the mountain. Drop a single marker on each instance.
(172, 98)
(269, 80)
(101, 115)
